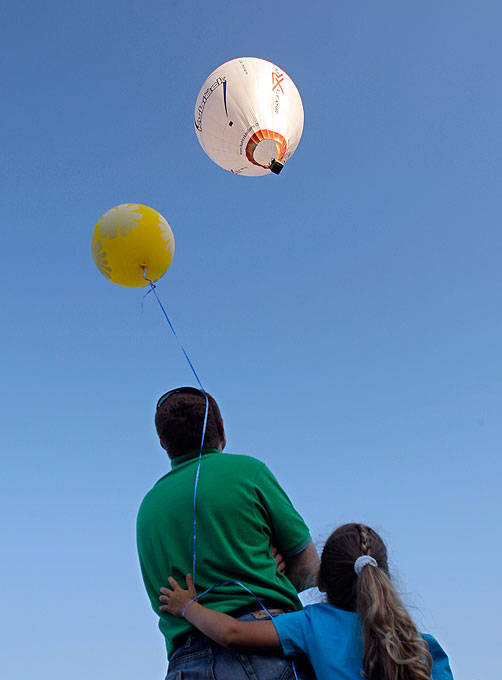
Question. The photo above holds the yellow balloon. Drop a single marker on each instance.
(131, 242)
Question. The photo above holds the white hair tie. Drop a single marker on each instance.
(363, 561)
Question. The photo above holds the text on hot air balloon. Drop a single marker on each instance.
(243, 138)
(277, 79)
(205, 97)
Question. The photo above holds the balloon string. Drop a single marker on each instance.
(196, 484)
(222, 584)
(197, 473)
(248, 590)
(152, 290)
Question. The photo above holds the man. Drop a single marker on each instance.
(242, 515)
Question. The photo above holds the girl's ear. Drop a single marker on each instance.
(320, 584)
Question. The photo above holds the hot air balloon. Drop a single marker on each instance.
(249, 117)
(132, 243)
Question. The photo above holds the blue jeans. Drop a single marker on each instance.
(202, 659)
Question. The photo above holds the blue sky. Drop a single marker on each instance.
(345, 314)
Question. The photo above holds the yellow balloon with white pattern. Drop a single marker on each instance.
(132, 243)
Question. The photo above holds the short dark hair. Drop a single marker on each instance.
(179, 421)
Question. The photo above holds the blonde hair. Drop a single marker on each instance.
(393, 647)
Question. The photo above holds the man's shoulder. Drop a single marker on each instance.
(242, 460)
(154, 495)
(245, 465)
(233, 462)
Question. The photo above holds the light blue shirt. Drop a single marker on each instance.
(331, 639)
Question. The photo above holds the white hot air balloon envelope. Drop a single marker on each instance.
(249, 117)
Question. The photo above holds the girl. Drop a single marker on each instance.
(364, 625)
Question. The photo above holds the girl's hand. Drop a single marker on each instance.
(176, 600)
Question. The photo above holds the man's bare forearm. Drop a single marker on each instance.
(302, 569)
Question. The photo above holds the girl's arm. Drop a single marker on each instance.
(222, 628)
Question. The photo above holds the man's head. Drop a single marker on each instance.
(179, 420)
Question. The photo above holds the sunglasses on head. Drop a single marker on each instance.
(179, 390)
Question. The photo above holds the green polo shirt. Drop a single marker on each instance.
(241, 513)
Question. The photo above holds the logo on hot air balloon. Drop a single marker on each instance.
(200, 109)
(277, 79)
(253, 128)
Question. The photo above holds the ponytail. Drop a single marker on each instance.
(393, 647)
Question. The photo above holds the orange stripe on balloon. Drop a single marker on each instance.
(259, 136)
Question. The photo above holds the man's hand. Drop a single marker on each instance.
(177, 599)
(279, 559)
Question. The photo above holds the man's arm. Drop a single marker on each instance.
(288, 531)
(302, 568)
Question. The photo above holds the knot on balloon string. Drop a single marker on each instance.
(147, 293)
(150, 290)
